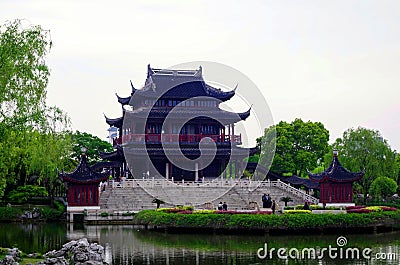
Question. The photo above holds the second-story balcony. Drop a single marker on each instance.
(174, 138)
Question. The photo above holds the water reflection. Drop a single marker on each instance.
(131, 245)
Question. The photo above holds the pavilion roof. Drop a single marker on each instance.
(83, 173)
(176, 84)
(336, 173)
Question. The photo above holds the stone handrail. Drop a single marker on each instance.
(295, 191)
(217, 183)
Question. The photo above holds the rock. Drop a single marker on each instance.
(83, 243)
(91, 262)
(34, 255)
(80, 252)
(80, 257)
(9, 260)
(54, 254)
(69, 245)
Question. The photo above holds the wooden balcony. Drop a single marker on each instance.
(174, 138)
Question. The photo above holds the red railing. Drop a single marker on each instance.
(174, 138)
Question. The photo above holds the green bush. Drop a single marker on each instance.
(248, 221)
(51, 214)
(128, 214)
(7, 213)
(24, 193)
(374, 208)
(104, 214)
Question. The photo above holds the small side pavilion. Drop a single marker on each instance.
(336, 183)
(83, 188)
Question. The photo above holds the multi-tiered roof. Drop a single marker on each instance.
(177, 85)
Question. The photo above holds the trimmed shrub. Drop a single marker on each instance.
(298, 211)
(254, 221)
(104, 214)
(374, 208)
(205, 211)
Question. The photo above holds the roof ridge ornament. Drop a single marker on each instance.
(199, 73)
(133, 88)
(150, 71)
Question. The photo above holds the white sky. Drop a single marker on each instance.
(337, 62)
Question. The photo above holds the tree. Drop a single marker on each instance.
(52, 154)
(299, 146)
(28, 127)
(382, 187)
(397, 164)
(286, 200)
(93, 144)
(365, 149)
(23, 74)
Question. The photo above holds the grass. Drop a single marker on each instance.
(25, 261)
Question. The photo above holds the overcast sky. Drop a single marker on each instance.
(337, 62)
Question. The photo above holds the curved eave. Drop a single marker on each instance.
(114, 122)
(123, 101)
(356, 177)
(244, 115)
(83, 174)
(114, 155)
(68, 179)
(219, 94)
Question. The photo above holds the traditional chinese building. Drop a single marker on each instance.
(336, 183)
(83, 188)
(177, 115)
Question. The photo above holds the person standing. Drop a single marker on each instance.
(273, 206)
(224, 207)
(220, 206)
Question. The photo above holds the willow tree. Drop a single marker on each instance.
(365, 149)
(24, 76)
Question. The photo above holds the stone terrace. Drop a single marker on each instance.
(135, 195)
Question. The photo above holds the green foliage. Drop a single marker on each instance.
(286, 199)
(364, 149)
(104, 214)
(158, 202)
(374, 208)
(24, 193)
(9, 213)
(249, 221)
(298, 212)
(93, 144)
(128, 214)
(24, 73)
(299, 146)
(51, 214)
(382, 187)
(27, 124)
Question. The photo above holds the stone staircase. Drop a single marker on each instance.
(136, 195)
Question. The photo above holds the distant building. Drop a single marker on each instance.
(112, 134)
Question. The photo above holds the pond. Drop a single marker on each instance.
(127, 244)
